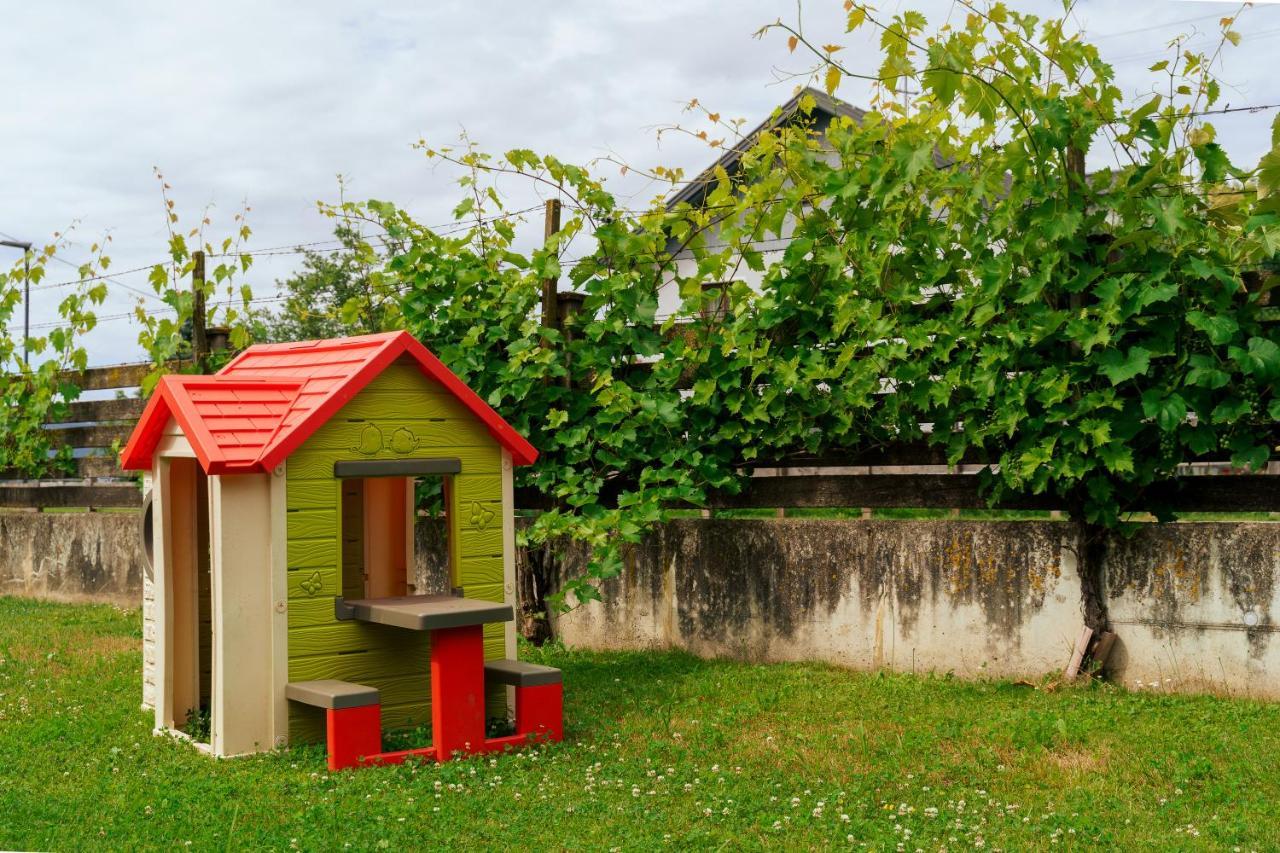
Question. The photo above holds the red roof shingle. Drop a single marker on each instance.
(263, 405)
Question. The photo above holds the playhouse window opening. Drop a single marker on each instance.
(379, 506)
(378, 515)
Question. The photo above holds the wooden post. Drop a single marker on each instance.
(26, 308)
(1076, 178)
(1101, 651)
(541, 565)
(568, 304)
(1077, 656)
(550, 310)
(199, 340)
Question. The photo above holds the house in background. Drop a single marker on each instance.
(826, 110)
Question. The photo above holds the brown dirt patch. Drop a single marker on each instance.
(1077, 762)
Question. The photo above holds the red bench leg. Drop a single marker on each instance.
(353, 733)
(540, 711)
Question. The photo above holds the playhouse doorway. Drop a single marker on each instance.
(189, 600)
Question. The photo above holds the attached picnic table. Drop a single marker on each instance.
(425, 612)
(458, 672)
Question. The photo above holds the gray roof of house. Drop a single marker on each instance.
(826, 108)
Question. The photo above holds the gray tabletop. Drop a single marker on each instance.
(428, 612)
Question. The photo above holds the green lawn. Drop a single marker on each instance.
(660, 748)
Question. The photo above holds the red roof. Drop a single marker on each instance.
(263, 405)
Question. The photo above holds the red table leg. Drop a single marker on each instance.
(457, 690)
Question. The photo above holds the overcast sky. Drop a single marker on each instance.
(268, 101)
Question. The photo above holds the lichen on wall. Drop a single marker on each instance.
(1193, 605)
(1190, 590)
(855, 592)
(72, 556)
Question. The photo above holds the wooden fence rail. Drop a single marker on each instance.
(92, 429)
(1232, 493)
(109, 378)
(1236, 493)
(909, 490)
(55, 495)
(906, 475)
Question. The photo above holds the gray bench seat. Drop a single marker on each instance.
(520, 673)
(331, 693)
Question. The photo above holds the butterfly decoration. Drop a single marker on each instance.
(313, 584)
(481, 515)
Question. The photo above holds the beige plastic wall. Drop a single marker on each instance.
(247, 625)
(247, 562)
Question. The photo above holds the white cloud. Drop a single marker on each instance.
(268, 101)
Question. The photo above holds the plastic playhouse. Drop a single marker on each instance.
(282, 539)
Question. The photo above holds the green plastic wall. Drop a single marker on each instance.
(400, 414)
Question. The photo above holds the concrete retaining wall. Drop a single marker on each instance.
(1196, 606)
(946, 596)
(72, 556)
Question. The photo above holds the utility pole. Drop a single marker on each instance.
(550, 310)
(199, 341)
(26, 292)
(904, 89)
